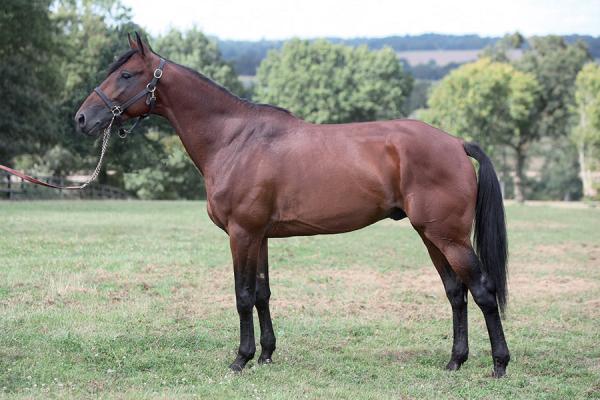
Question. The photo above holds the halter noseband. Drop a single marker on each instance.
(148, 91)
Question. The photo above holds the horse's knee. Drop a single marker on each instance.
(245, 301)
(262, 297)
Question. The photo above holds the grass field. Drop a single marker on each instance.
(136, 300)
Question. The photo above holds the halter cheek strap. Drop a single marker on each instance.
(148, 91)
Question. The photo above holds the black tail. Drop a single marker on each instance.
(490, 227)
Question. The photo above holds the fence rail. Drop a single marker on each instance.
(15, 188)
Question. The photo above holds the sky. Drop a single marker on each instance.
(281, 19)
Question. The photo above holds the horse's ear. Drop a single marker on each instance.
(132, 44)
(140, 45)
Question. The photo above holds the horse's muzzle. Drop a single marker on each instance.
(90, 122)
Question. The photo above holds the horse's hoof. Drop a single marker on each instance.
(453, 365)
(236, 367)
(499, 372)
(265, 360)
(240, 362)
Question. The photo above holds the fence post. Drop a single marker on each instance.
(9, 186)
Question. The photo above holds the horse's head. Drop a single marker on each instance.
(127, 92)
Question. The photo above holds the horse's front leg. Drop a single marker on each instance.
(263, 293)
(245, 247)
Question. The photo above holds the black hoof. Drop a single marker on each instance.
(500, 364)
(265, 360)
(456, 360)
(453, 365)
(499, 372)
(235, 367)
(239, 363)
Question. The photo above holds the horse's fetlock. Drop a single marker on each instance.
(460, 354)
(268, 342)
(501, 357)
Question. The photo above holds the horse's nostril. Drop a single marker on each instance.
(81, 120)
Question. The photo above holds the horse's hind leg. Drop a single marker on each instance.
(263, 293)
(456, 291)
(467, 266)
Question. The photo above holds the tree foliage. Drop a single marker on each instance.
(586, 134)
(195, 50)
(171, 177)
(329, 83)
(555, 64)
(514, 105)
(28, 77)
(485, 101)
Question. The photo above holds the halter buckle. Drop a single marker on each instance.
(158, 73)
(116, 111)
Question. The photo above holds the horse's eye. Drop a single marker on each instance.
(125, 75)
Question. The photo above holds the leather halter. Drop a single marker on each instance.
(148, 91)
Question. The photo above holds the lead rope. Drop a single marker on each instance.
(105, 140)
(94, 175)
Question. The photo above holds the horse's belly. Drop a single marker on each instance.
(327, 216)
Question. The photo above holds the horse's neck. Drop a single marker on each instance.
(206, 118)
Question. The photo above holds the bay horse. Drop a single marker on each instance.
(269, 174)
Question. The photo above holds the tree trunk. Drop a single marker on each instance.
(585, 174)
(519, 178)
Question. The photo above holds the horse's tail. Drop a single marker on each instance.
(490, 226)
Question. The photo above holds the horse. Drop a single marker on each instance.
(270, 174)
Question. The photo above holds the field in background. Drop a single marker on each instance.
(440, 57)
(136, 300)
(445, 57)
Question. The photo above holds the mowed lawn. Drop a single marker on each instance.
(136, 300)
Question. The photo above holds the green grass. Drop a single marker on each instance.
(136, 300)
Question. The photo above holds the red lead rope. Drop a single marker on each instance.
(94, 175)
(34, 180)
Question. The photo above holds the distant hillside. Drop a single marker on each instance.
(419, 51)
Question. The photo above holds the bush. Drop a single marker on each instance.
(175, 177)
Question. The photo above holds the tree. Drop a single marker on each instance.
(193, 49)
(555, 64)
(329, 83)
(177, 178)
(559, 173)
(499, 51)
(489, 102)
(28, 77)
(586, 135)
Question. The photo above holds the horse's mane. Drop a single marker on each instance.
(228, 92)
(123, 58)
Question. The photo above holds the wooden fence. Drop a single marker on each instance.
(14, 188)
